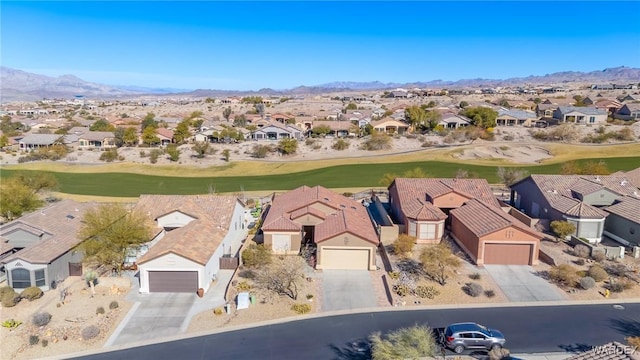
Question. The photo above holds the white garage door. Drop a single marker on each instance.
(345, 259)
(281, 242)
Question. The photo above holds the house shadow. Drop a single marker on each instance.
(626, 327)
(356, 350)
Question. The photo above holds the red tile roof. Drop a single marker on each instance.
(291, 205)
(482, 219)
(416, 194)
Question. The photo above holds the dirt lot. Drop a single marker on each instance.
(63, 333)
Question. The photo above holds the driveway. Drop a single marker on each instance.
(520, 283)
(346, 290)
(153, 316)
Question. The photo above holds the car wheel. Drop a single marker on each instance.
(496, 347)
(458, 349)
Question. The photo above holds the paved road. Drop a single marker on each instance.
(520, 283)
(528, 330)
(347, 290)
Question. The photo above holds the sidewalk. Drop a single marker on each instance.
(542, 356)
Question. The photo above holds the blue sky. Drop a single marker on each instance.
(251, 45)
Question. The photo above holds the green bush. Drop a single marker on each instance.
(394, 275)
(564, 274)
(32, 293)
(41, 318)
(114, 305)
(340, 145)
(301, 308)
(475, 276)
(11, 323)
(100, 310)
(428, 292)
(109, 155)
(587, 282)
(256, 255)
(599, 256)
(8, 297)
(489, 293)
(243, 286)
(403, 244)
(45, 342)
(401, 289)
(597, 273)
(379, 141)
(473, 289)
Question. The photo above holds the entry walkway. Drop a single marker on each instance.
(520, 283)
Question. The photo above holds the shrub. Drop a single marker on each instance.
(109, 155)
(587, 282)
(247, 274)
(581, 251)
(45, 342)
(633, 341)
(473, 289)
(489, 293)
(34, 339)
(256, 255)
(9, 297)
(597, 273)
(217, 311)
(499, 353)
(475, 276)
(243, 286)
(260, 151)
(340, 145)
(309, 296)
(11, 323)
(598, 256)
(90, 332)
(617, 270)
(114, 305)
(377, 142)
(100, 310)
(394, 275)
(579, 262)
(564, 274)
(41, 318)
(616, 287)
(32, 293)
(428, 292)
(403, 244)
(301, 308)
(401, 289)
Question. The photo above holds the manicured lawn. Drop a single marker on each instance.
(341, 176)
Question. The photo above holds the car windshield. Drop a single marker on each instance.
(484, 328)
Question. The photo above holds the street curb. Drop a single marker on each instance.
(107, 348)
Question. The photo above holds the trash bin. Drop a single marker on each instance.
(227, 308)
(253, 299)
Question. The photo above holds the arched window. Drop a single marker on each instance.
(20, 278)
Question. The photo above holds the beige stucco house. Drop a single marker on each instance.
(338, 229)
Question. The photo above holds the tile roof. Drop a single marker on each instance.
(61, 221)
(197, 240)
(41, 139)
(165, 132)
(96, 135)
(611, 351)
(482, 219)
(583, 110)
(286, 207)
(585, 211)
(415, 193)
(627, 207)
(633, 176)
(518, 114)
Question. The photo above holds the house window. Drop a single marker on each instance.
(40, 280)
(427, 231)
(412, 228)
(20, 278)
(592, 119)
(632, 231)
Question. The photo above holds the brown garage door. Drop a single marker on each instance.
(173, 281)
(507, 254)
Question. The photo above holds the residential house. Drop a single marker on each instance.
(629, 111)
(195, 233)
(337, 227)
(453, 121)
(515, 117)
(623, 222)
(578, 199)
(491, 236)
(97, 140)
(546, 110)
(390, 126)
(165, 135)
(36, 141)
(580, 115)
(42, 245)
(611, 106)
(277, 131)
(338, 128)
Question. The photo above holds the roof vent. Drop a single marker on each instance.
(326, 199)
(597, 178)
(555, 191)
(70, 217)
(343, 206)
(623, 182)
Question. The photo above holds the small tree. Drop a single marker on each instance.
(226, 113)
(404, 244)
(510, 176)
(378, 141)
(256, 255)
(562, 229)
(564, 274)
(226, 153)
(200, 148)
(173, 152)
(405, 343)
(439, 262)
(321, 130)
(182, 133)
(260, 151)
(283, 276)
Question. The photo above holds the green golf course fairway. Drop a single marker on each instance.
(339, 176)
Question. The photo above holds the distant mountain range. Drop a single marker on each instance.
(18, 85)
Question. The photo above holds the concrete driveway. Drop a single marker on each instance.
(153, 316)
(346, 290)
(520, 283)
